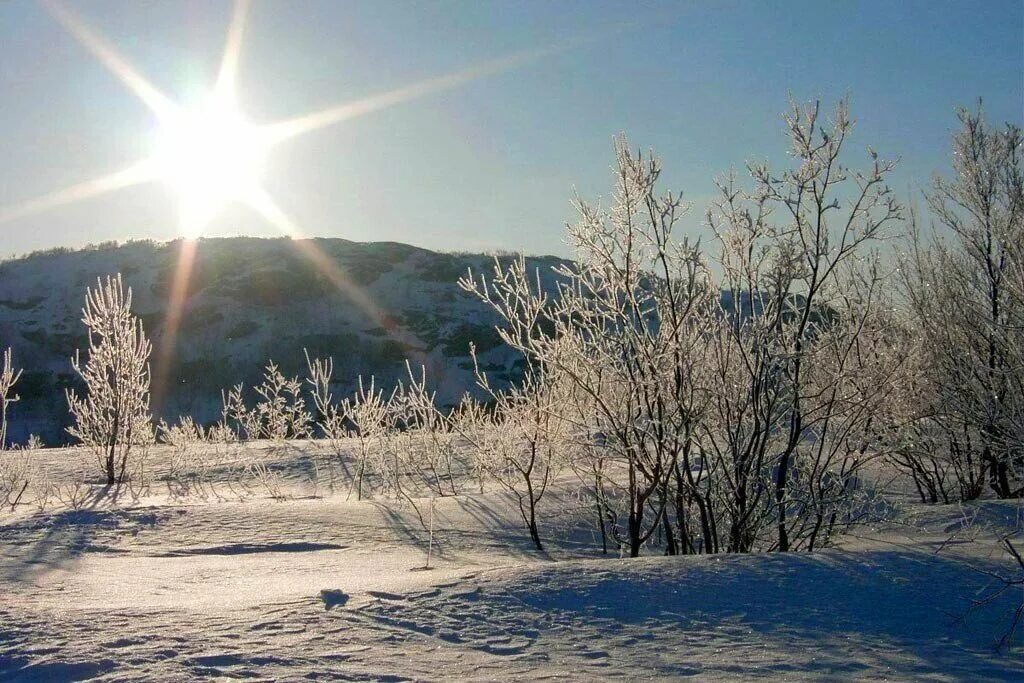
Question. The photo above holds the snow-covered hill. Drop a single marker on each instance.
(249, 300)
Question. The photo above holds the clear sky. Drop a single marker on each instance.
(493, 162)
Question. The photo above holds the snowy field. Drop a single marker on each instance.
(284, 576)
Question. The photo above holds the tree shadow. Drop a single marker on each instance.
(411, 533)
(507, 533)
(57, 540)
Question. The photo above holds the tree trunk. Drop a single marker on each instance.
(635, 520)
(636, 513)
(531, 522)
(670, 540)
(1001, 480)
(534, 531)
(359, 477)
(110, 466)
(599, 498)
(781, 481)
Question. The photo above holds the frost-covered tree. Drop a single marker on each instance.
(624, 330)
(801, 331)
(733, 412)
(521, 443)
(965, 291)
(8, 378)
(113, 415)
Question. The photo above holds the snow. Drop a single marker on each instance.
(156, 586)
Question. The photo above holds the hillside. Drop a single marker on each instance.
(249, 300)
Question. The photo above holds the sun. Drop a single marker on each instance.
(211, 156)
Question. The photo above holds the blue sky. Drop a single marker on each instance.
(493, 163)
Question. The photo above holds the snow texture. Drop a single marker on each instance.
(161, 587)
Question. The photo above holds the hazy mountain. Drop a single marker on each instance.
(248, 300)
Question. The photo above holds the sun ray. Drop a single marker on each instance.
(110, 58)
(307, 123)
(172, 322)
(264, 204)
(195, 157)
(144, 171)
(228, 73)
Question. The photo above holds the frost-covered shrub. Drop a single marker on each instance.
(18, 468)
(370, 416)
(185, 433)
(523, 442)
(280, 411)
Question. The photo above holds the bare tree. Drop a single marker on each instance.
(113, 415)
(623, 330)
(728, 406)
(964, 289)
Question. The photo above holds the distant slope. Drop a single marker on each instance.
(249, 300)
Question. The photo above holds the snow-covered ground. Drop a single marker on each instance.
(227, 582)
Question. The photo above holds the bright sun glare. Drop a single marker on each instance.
(211, 156)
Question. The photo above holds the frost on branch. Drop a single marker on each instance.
(965, 285)
(280, 412)
(370, 416)
(16, 472)
(113, 415)
(8, 378)
(522, 443)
